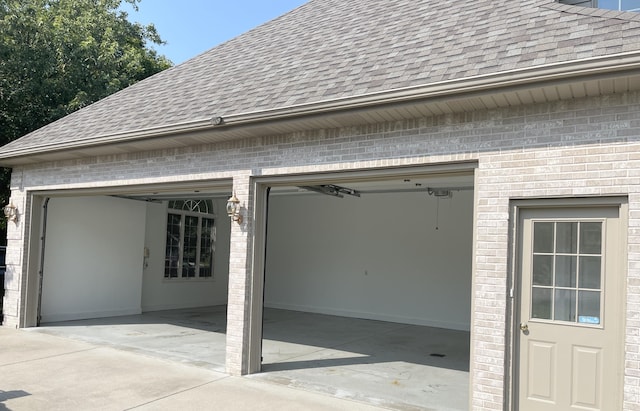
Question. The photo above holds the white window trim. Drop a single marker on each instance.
(200, 216)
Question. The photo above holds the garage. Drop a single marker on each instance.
(368, 288)
(367, 280)
(131, 269)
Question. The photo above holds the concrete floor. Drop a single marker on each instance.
(389, 365)
(45, 372)
(190, 336)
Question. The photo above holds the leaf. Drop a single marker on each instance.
(57, 56)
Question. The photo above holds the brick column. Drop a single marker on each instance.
(15, 274)
(240, 269)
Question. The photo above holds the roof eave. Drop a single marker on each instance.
(499, 81)
(610, 65)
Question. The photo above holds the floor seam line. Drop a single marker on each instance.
(177, 392)
(48, 357)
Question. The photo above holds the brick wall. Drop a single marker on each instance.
(586, 147)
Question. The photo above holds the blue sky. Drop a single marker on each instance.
(192, 26)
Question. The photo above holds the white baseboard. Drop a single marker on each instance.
(51, 318)
(163, 307)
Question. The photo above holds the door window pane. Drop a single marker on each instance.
(206, 248)
(589, 307)
(542, 237)
(172, 252)
(590, 238)
(566, 271)
(542, 269)
(541, 303)
(590, 268)
(190, 246)
(565, 305)
(567, 237)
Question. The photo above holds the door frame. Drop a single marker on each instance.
(514, 283)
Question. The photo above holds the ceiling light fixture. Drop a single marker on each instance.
(439, 192)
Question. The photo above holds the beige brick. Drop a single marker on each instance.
(522, 152)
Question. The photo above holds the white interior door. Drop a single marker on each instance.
(570, 341)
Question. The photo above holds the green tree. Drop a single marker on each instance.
(57, 56)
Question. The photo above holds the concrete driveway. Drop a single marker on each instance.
(45, 372)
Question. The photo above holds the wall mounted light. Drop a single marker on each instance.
(11, 212)
(233, 209)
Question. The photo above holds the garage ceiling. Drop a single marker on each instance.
(396, 184)
(416, 183)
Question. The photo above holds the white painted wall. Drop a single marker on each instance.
(93, 258)
(368, 258)
(161, 294)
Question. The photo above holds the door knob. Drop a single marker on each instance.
(524, 327)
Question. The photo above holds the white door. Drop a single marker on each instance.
(569, 337)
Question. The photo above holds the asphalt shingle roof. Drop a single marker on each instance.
(330, 49)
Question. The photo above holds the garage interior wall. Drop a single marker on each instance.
(378, 257)
(161, 294)
(95, 267)
(93, 258)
